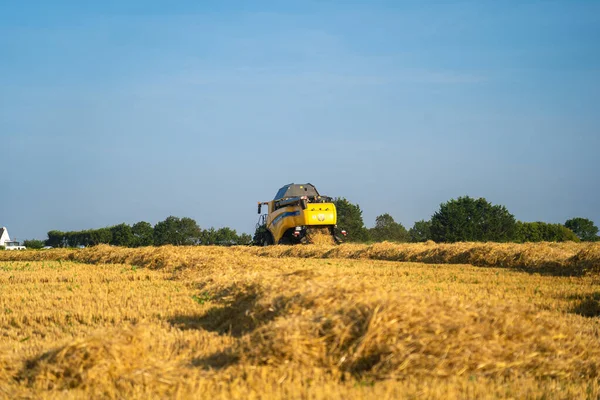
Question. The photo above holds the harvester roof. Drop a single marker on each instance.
(296, 190)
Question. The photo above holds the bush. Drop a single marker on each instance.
(543, 232)
(173, 230)
(33, 244)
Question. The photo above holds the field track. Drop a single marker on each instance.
(318, 322)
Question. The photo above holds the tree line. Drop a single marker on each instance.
(459, 220)
(173, 230)
(463, 220)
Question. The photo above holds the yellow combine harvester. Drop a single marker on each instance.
(297, 214)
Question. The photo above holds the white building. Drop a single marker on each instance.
(4, 236)
(7, 243)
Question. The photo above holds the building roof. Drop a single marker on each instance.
(2, 231)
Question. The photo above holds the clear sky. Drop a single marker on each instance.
(119, 111)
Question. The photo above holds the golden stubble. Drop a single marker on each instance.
(299, 322)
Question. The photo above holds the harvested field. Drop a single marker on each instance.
(301, 322)
(562, 259)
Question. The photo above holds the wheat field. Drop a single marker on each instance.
(304, 322)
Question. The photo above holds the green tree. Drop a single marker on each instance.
(528, 232)
(420, 232)
(143, 234)
(583, 228)
(55, 239)
(208, 236)
(244, 239)
(349, 218)
(75, 238)
(122, 235)
(472, 220)
(387, 229)
(96, 236)
(33, 244)
(177, 231)
(226, 236)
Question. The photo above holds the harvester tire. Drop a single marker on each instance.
(285, 241)
(268, 239)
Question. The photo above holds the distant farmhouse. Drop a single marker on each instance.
(7, 243)
(4, 236)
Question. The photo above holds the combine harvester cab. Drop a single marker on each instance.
(297, 214)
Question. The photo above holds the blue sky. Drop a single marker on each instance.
(121, 111)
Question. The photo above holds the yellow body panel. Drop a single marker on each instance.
(315, 214)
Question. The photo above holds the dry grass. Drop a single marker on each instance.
(555, 258)
(252, 323)
(320, 236)
(567, 259)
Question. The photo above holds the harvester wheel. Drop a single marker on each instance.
(285, 240)
(268, 239)
(262, 236)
